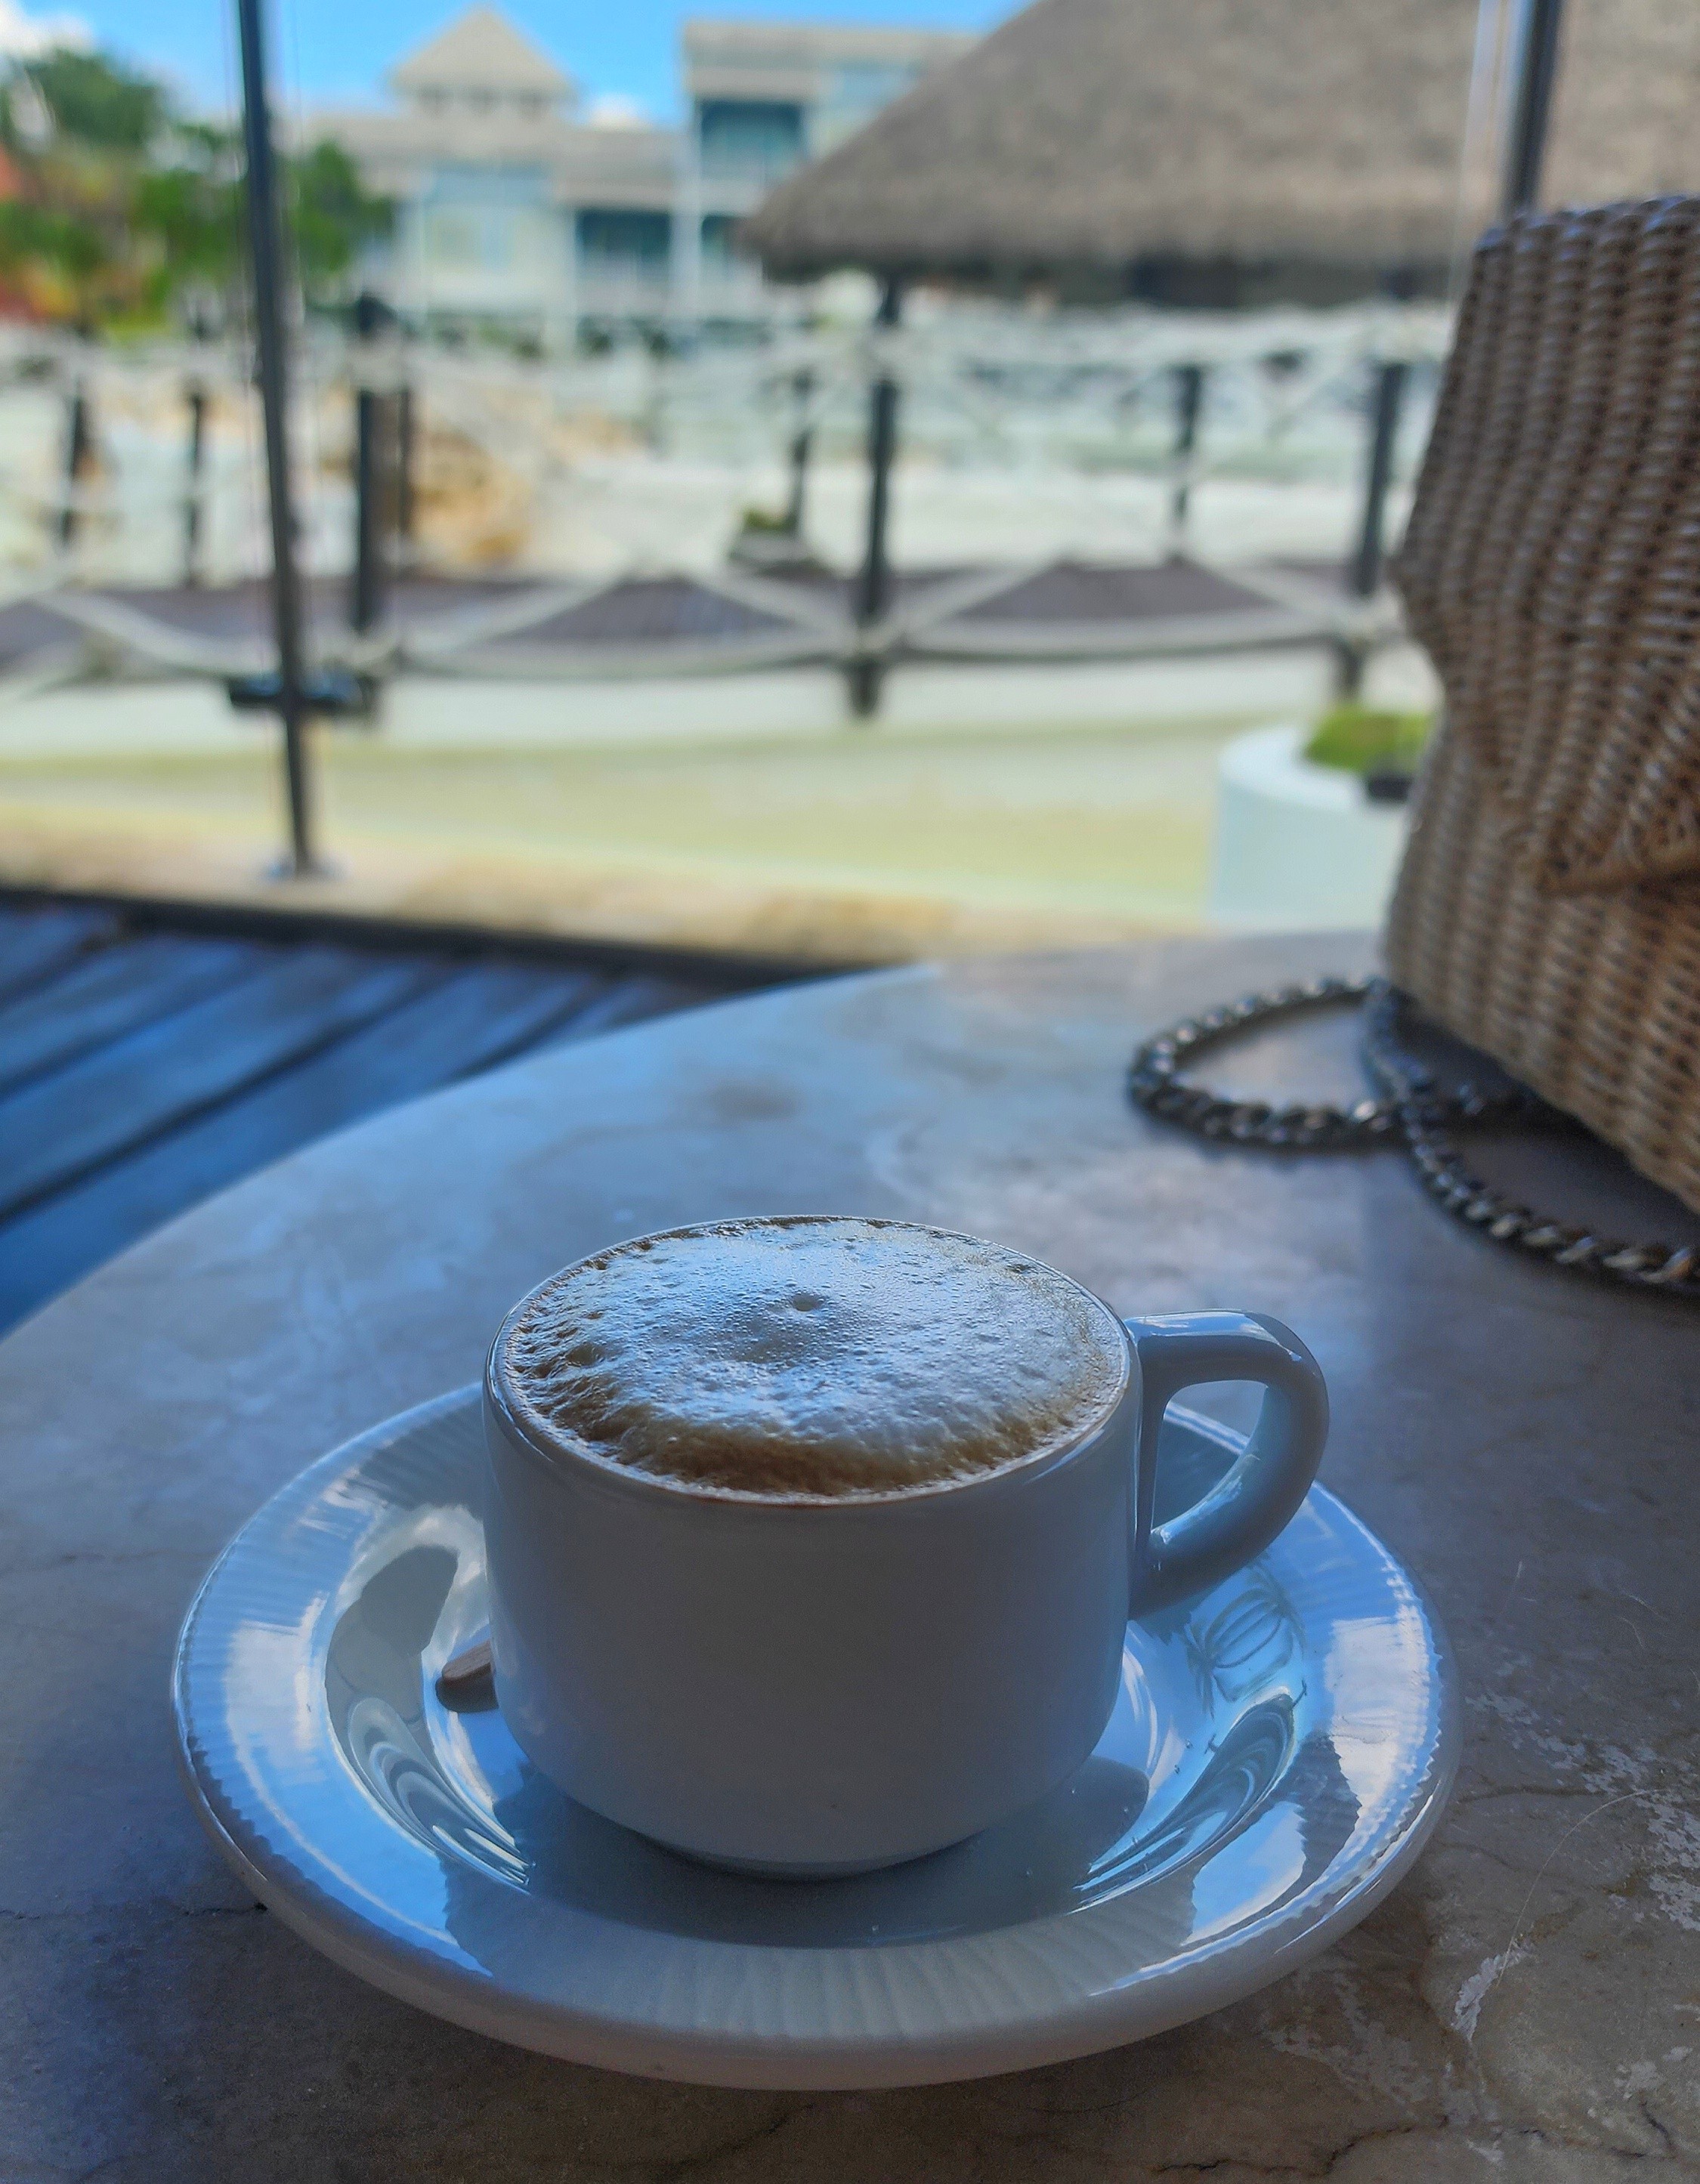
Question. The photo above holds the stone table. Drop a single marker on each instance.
(1525, 2006)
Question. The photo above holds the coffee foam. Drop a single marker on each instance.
(815, 1359)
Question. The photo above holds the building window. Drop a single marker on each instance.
(462, 182)
(759, 138)
(855, 93)
(718, 228)
(870, 85)
(624, 245)
(485, 221)
(483, 239)
(453, 240)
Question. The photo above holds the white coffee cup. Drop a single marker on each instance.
(829, 1686)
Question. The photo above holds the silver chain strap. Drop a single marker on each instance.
(1411, 1112)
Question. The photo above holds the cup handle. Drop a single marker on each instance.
(1260, 1495)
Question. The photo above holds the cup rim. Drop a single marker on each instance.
(564, 1454)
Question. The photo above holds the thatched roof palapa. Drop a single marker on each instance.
(1108, 133)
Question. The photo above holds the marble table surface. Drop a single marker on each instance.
(1527, 2005)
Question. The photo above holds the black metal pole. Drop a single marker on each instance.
(1536, 65)
(1363, 574)
(404, 464)
(803, 389)
(366, 600)
(1390, 380)
(266, 248)
(1189, 400)
(196, 462)
(77, 442)
(367, 592)
(873, 585)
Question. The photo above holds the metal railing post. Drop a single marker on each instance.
(365, 599)
(873, 583)
(266, 248)
(1188, 401)
(79, 442)
(1363, 575)
(194, 465)
(1391, 377)
(405, 425)
(802, 440)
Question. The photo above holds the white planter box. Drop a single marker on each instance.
(1298, 844)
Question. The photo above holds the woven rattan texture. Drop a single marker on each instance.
(1549, 909)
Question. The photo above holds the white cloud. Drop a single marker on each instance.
(22, 37)
(611, 111)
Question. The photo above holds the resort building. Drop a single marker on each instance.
(517, 211)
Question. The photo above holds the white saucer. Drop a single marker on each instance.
(1281, 1751)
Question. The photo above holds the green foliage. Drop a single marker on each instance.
(128, 209)
(95, 101)
(192, 208)
(1357, 739)
(73, 248)
(333, 216)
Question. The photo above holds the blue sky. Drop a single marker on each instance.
(332, 49)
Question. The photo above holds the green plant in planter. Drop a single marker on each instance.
(762, 523)
(1365, 740)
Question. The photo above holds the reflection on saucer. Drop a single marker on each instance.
(1219, 1695)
